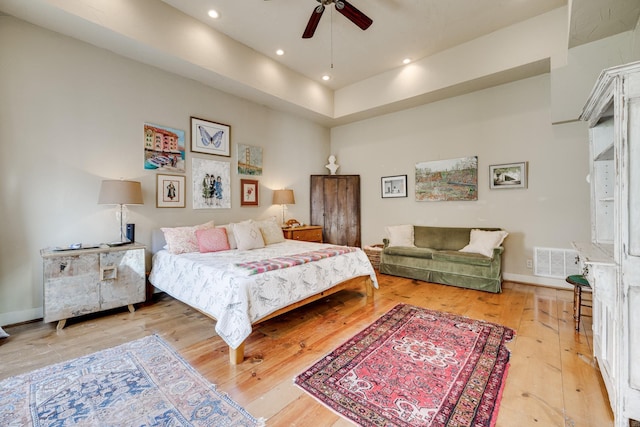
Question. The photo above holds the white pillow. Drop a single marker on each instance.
(483, 242)
(182, 240)
(248, 235)
(400, 235)
(271, 231)
(230, 236)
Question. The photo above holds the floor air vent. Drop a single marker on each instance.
(556, 263)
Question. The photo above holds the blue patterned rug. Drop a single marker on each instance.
(141, 383)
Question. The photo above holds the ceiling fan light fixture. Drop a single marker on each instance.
(213, 14)
(326, 77)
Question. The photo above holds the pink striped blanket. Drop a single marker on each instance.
(255, 267)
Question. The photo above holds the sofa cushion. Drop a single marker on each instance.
(400, 235)
(469, 258)
(409, 251)
(443, 238)
(447, 238)
(483, 241)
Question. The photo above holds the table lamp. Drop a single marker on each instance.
(283, 197)
(122, 193)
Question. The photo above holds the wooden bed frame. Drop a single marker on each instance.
(236, 356)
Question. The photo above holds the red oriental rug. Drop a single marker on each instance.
(415, 367)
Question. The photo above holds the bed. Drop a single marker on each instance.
(238, 297)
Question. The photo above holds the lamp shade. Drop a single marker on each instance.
(120, 192)
(283, 197)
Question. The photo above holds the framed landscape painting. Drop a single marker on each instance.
(447, 180)
(249, 160)
(509, 175)
(210, 137)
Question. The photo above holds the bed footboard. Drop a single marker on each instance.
(236, 356)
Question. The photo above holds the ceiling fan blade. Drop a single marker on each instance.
(353, 14)
(313, 22)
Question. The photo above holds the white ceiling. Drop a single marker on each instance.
(401, 28)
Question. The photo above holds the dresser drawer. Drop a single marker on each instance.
(307, 233)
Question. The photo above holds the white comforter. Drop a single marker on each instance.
(211, 283)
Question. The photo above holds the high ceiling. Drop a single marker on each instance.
(401, 29)
(249, 32)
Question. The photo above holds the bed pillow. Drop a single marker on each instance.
(248, 235)
(271, 231)
(483, 242)
(400, 235)
(182, 240)
(230, 236)
(212, 240)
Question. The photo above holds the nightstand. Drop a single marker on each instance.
(83, 281)
(307, 233)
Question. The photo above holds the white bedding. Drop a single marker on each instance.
(211, 283)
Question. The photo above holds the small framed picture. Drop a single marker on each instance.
(509, 175)
(210, 137)
(249, 192)
(394, 186)
(170, 191)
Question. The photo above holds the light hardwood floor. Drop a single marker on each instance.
(552, 381)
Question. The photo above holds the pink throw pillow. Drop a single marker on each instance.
(212, 240)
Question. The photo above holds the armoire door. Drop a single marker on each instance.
(335, 204)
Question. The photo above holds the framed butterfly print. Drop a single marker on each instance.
(210, 137)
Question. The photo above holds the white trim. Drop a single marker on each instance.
(537, 280)
(14, 317)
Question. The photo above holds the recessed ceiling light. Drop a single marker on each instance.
(406, 61)
(279, 52)
(326, 77)
(214, 14)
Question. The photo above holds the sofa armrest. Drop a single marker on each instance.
(498, 251)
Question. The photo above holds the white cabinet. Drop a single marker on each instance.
(86, 281)
(612, 258)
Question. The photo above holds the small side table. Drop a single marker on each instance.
(306, 233)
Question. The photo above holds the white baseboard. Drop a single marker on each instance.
(537, 280)
(14, 317)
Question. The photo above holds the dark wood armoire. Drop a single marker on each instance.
(335, 205)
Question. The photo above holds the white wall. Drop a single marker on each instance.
(72, 114)
(504, 124)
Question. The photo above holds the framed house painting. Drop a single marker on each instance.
(249, 192)
(445, 180)
(170, 191)
(210, 137)
(394, 186)
(508, 175)
(249, 160)
(211, 184)
(163, 148)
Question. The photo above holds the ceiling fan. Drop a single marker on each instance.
(342, 6)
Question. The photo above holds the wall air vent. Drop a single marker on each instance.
(556, 263)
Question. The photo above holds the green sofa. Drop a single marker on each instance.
(436, 258)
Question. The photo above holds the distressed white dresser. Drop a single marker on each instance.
(83, 281)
